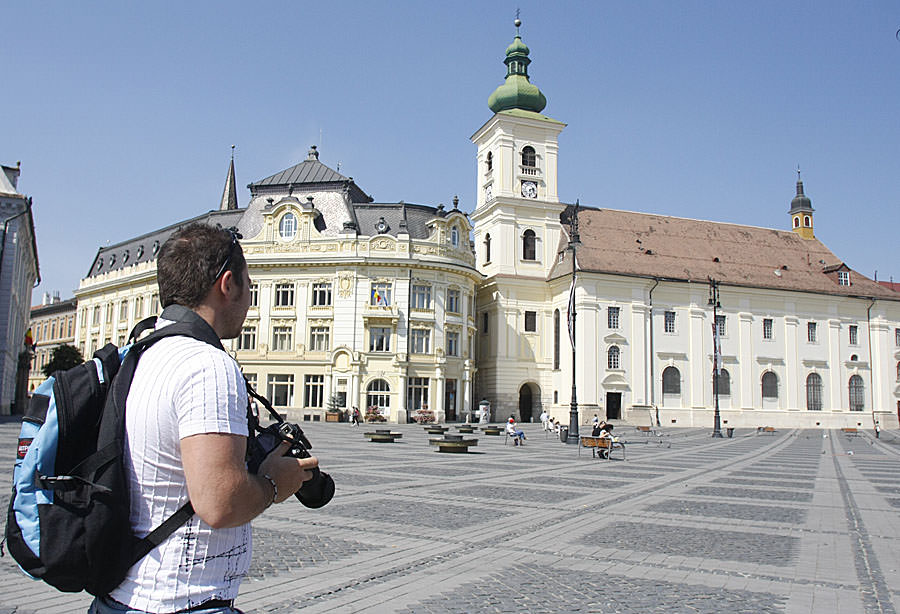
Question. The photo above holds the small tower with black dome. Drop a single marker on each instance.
(802, 212)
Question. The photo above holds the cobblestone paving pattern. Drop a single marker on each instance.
(540, 589)
(432, 515)
(704, 543)
(783, 515)
(773, 483)
(277, 552)
(748, 493)
(512, 493)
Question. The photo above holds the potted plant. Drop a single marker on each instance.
(333, 410)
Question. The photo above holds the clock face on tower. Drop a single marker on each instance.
(488, 192)
(529, 189)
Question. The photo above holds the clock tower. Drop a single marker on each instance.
(517, 235)
(517, 210)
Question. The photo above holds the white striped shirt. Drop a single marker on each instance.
(181, 387)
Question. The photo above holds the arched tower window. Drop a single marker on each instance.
(490, 161)
(769, 385)
(528, 240)
(814, 392)
(528, 156)
(807, 221)
(612, 357)
(487, 247)
(796, 222)
(857, 393)
(671, 381)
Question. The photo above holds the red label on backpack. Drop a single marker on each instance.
(23, 448)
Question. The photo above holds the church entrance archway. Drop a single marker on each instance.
(526, 403)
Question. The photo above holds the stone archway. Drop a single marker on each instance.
(529, 399)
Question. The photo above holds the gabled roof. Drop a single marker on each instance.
(658, 246)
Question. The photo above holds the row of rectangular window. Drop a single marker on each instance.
(319, 339)
(381, 295)
(47, 329)
(123, 310)
(280, 389)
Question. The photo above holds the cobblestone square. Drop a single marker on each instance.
(762, 524)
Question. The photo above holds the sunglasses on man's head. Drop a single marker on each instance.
(235, 235)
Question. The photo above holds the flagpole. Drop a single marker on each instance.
(574, 241)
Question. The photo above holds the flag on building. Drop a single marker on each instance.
(717, 349)
(570, 314)
(29, 338)
(378, 299)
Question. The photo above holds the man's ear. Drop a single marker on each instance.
(226, 284)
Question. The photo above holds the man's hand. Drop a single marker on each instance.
(289, 473)
(224, 494)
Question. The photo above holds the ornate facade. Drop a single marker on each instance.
(354, 303)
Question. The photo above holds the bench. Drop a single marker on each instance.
(766, 430)
(596, 444)
(383, 436)
(850, 431)
(454, 444)
(492, 430)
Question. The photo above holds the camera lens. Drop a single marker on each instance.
(317, 491)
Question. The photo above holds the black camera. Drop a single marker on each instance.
(315, 492)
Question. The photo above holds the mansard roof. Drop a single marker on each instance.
(145, 247)
(680, 249)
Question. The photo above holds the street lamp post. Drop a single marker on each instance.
(574, 242)
(714, 303)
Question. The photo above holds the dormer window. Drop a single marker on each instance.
(529, 159)
(843, 278)
(287, 227)
(454, 237)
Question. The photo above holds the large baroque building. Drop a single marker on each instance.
(52, 324)
(354, 303)
(804, 340)
(389, 305)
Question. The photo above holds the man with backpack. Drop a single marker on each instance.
(186, 438)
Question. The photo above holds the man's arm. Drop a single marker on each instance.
(224, 494)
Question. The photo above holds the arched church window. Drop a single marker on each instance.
(796, 222)
(487, 247)
(724, 382)
(490, 161)
(528, 241)
(612, 357)
(769, 385)
(857, 393)
(806, 221)
(814, 392)
(556, 342)
(671, 381)
(528, 156)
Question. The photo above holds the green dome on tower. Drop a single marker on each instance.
(518, 92)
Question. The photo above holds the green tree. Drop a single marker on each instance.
(63, 357)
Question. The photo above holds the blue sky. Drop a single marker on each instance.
(123, 113)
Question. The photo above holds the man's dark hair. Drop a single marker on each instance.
(191, 261)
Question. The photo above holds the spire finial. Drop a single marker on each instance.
(232, 153)
(798, 172)
(517, 22)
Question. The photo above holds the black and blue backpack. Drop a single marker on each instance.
(68, 519)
